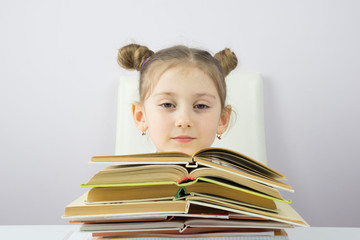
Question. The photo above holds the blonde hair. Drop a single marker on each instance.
(152, 65)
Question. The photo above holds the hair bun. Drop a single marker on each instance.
(132, 56)
(227, 60)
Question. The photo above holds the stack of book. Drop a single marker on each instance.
(215, 192)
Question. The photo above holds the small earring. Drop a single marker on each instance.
(218, 136)
(143, 133)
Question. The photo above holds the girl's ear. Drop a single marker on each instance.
(139, 116)
(224, 120)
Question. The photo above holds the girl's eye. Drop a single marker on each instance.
(167, 105)
(201, 106)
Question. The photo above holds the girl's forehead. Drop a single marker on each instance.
(183, 76)
(180, 79)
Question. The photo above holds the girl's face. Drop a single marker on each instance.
(183, 112)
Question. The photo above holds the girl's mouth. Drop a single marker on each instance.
(183, 139)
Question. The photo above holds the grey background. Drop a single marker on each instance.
(58, 91)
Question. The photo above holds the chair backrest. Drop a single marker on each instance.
(246, 133)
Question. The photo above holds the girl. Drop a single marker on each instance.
(182, 95)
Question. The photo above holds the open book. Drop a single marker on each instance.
(187, 226)
(173, 192)
(283, 213)
(208, 162)
(196, 232)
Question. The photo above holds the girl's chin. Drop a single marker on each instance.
(189, 151)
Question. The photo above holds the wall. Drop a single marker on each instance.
(58, 82)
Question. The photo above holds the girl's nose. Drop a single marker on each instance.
(184, 123)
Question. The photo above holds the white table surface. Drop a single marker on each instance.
(70, 232)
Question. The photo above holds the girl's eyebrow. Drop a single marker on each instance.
(174, 94)
(205, 95)
(165, 93)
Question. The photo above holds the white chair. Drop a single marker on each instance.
(246, 133)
